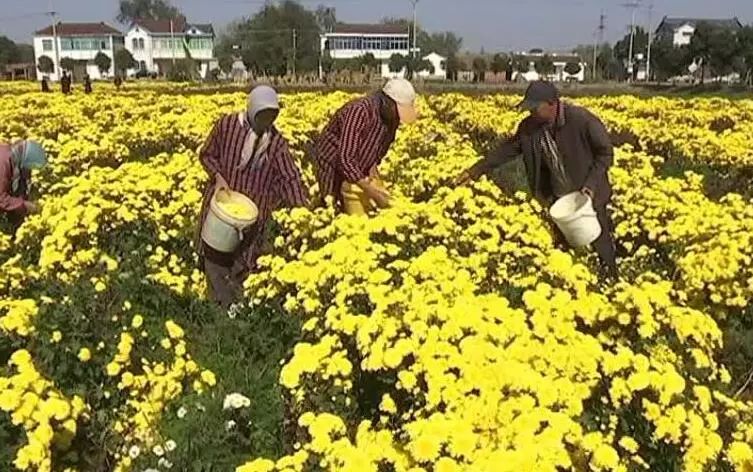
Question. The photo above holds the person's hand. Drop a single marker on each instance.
(587, 192)
(220, 183)
(462, 179)
(380, 196)
(31, 208)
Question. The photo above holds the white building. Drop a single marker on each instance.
(681, 30)
(80, 42)
(349, 41)
(156, 44)
(560, 63)
(439, 64)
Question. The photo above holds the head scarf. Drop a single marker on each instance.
(261, 98)
(26, 155)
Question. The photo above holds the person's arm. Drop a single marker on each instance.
(289, 181)
(209, 155)
(8, 203)
(603, 152)
(355, 121)
(504, 152)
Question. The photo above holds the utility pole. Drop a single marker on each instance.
(650, 40)
(598, 40)
(172, 42)
(295, 47)
(53, 15)
(632, 5)
(414, 52)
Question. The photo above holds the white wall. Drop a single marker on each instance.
(138, 54)
(150, 54)
(683, 34)
(440, 72)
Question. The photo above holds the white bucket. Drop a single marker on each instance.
(222, 231)
(575, 216)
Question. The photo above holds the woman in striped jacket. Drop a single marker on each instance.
(247, 154)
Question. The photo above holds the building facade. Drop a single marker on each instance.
(80, 42)
(681, 30)
(156, 45)
(350, 41)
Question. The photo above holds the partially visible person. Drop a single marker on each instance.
(247, 154)
(45, 85)
(565, 148)
(65, 83)
(87, 84)
(118, 82)
(17, 161)
(353, 144)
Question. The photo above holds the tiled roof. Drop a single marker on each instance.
(163, 26)
(206, 28)
(670, 24)
(79, 29)
(352, 28)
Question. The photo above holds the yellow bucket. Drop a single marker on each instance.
(229, 214)
(355, 201)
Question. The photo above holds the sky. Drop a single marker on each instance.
(495, 25)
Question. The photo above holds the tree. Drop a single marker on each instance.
(397, 63)
(745, 45)
(8, 51)
(700, 47)
(573, 68)
(67, 63)
(499, 63)
(124, 60)
(479, 69)
(640, 46)
(45, 65)
(326, 18)
(545, 65)
(724, 52)
(103, 62)
(130, 10)
(267, 39)
(225, 62)
(668, 61)
(327, 62)
(445, 43)
(368, 62)
(453, 66)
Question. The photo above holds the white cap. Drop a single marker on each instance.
(403, 93)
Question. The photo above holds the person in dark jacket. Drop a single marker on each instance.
(65, 83)
(565, 148)
(45, 85)
(87, 84)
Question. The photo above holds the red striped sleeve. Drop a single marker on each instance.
(356, 140)
(210, 153)
(289, 182)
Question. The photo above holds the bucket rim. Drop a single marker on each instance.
(229, 219)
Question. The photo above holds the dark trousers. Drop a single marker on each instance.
(604, 245)
(224, 281)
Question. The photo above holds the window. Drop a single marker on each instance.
(142, 65)
(47, 45)
(141, 43)
(372, 43)
(135, 43)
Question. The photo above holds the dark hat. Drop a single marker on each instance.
(538, 92)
